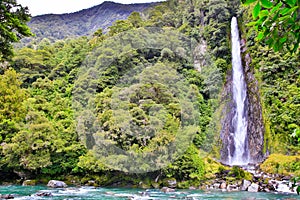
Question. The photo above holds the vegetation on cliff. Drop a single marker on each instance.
(46, 83)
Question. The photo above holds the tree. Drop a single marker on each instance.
(120, 26)
(13, 17)
(135, 19)
(277, 23)
(12, 110)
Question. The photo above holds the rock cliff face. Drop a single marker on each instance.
(226, 121)
(255, 128)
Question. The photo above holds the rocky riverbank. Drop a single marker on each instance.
(258, 182)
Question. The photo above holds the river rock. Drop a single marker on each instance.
(166, 190)
(253, 187)
(192, 188)
(44, 194)
(57, 184)
(232, 188)
(223, 185)
(29, 183)
(7, 196)
(284, 187)
(91, 183)
(216, 185)
(172, 183)
(245, 185)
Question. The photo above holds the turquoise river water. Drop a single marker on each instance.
(30, 192)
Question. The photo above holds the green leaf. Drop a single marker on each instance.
(248, 2)
(298, 190)
(276, 8)
(284, 11)
(282, 40)
(275, 17)
(276, 46)
(296, 46)
(261, 20)
(251, 23)
(260, 36)
(284, 18)
(266, 3)
(263, 13)
(256, 10)
(294, 9)
(291, 3)
(270, 42)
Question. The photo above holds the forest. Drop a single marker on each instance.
(65, 104)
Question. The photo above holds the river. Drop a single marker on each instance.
(30, 193)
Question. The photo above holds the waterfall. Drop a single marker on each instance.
(239, 155)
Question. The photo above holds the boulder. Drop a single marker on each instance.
(172, 183)
(223, 186)
(166, 190)
(155, 185)
(232, 188)
(91, 183)
(44, 194)
(245, 185)
(7, 196)
(29, 183)
(253, 187)
(56, 184)
(284, 187)
(216, 185)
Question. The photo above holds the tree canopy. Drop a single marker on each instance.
(13, 17)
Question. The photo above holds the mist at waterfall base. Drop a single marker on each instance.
(238, 155)
(89, 193)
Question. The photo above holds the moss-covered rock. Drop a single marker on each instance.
(29, 183)
(282, 164)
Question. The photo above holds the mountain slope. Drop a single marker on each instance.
(84, 22)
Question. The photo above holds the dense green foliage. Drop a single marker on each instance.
(62, 107)
(282, 164)
(277, 23)
(13, 18)
(278, 73)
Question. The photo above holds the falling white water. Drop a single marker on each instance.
(240, 156)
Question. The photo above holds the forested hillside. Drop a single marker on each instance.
(59, 101)
(81, 23)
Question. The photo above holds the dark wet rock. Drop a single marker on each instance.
(245, 185)
(253, 187)
(232, 188)
(56, 184)
(270, 187)
(7, 196)
(255, 128)
(44, 194)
